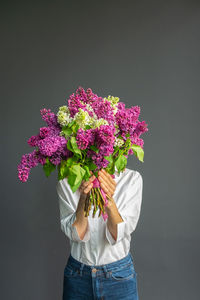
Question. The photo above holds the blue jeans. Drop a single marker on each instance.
(116, 280)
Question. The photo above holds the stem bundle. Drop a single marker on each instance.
(95, 198)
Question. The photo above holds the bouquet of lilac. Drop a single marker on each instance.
(84, 136)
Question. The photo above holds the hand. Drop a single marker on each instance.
(107, 183)
(86, 186)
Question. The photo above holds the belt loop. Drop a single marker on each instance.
(81, 268)
(105, 271)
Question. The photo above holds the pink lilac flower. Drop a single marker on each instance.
(32, 141)
(82, 139)
(85, 138)
(28, 161)
(49, 117)
(141, 128)
(104, 109)
(44, 132)
(50, 144)
(74, 103)
(105, 135)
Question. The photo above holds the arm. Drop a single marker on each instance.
(122, 219)
(81, 222)
(114, 221)
(70, 214)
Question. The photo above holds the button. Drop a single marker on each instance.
(94, 270)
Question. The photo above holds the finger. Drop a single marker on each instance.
(88, 188)
(91, 179)
(106, 190)
(86, 183)
(109, 176)
(107, 185)
(107, 179)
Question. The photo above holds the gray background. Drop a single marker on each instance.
(146, 53)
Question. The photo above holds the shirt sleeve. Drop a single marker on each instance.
(129, 210)
(67, 206)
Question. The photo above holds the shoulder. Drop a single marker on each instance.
(133, 177)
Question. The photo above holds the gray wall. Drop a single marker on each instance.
(146, 53)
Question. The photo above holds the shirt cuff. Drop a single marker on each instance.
(120, 233)
(75, 235)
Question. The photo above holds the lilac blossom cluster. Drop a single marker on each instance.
(110, 124)
(49, 143)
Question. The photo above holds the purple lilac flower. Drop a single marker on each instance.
(44, 132)
(50, 145)
(32, 141)
(28, 161)
(104, 109)
(49, 117)
(85, 138)
(141, 128)
(105, 135)
(74, 103)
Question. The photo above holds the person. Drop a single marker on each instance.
(100, 264)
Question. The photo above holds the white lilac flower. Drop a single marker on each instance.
(64, 108)
(82, 118)
(63, 116)
(89, 107)
(113, 101)
(118, 142)
(99, 122)
(117, 129)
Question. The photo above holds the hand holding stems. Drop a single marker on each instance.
(86, 186)
(93, 196)
(81, 221)
(85, 189)
(108, 185)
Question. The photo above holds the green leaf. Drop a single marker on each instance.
(94, 148)
(88, 127)
(95, 173)
(75, 127)
(109, 158)
(48, 167)
(92, 166)
(63, 169)
(69, 146)
(121, 162)
(87, 170)
(71, 123)
(67, 131)
(138, 151)
(75, 177)
(128, 143)
(71, 161)
(75, 147)
(111, 166)
(121, 151)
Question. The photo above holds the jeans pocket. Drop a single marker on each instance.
(70, 271)
(124, 273)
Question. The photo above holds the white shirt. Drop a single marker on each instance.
(98, 247)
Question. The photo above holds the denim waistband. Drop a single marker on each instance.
(125, 261)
